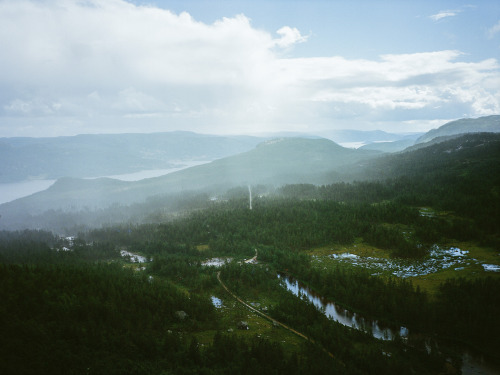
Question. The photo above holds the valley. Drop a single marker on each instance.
(387, 263)
(239, 187)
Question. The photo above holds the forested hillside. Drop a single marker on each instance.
(421, 232)
(95, 313)
(249, 187)
(274, 163)
(462, 126)
(458, 175)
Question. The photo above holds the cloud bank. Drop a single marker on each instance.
(106, 66)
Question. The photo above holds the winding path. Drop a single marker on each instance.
(265, 316)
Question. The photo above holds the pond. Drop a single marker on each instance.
(134, 258)
(216, 262)
(217, 302)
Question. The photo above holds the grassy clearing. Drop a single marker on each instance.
(431, 212)
(358, 248)
(483, 255)
(232, 312)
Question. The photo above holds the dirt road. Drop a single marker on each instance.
(265, 316)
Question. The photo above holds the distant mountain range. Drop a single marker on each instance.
(95, 155)
(467, 125)
(253, 161)
(447, 131)
(99, 155)
(276, 162)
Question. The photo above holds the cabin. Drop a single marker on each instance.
(181, 315)
(243, 325)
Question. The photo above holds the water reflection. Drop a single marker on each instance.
(470, 364)
(341, 315)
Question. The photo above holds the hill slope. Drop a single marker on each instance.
(443, 174)
(466, 125)
(277, 162)
(460, 156)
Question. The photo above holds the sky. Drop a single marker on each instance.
(72, 67)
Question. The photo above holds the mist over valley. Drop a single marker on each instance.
(249, 187)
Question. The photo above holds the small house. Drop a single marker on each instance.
(243, 325)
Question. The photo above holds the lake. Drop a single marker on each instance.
(16, 190)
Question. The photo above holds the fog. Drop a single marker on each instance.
(15, 190)
(75, 192)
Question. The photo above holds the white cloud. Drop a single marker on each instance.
(288, 37)
(113, 66)
(113, 41)
(397, 82)
(31, 107)
(444, 14)
(494, 30)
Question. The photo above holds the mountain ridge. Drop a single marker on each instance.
(94, 155)
(464, 125)
(289, 161)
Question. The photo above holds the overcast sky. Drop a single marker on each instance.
(242, 67)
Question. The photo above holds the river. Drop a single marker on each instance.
(341, 315)
(471, 364)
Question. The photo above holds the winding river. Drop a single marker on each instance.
(471, 364)
(341, 315)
